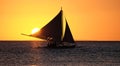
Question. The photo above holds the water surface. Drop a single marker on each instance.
(86, 53)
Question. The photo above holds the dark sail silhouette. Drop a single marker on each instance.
(52, 32)
(68, 35)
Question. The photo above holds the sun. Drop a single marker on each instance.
(35, 30)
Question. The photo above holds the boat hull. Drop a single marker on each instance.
(63, 45)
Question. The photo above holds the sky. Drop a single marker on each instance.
(88, 19)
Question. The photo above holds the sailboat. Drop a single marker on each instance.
(53, 33)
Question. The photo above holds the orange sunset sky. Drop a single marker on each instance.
(88, 19)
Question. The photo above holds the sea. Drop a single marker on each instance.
(34, 53)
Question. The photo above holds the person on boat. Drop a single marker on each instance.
(51, 43)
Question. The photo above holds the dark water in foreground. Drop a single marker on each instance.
(25, 53)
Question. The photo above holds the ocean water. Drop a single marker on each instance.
(86, 53)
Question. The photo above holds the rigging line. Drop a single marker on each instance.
(60, 1)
